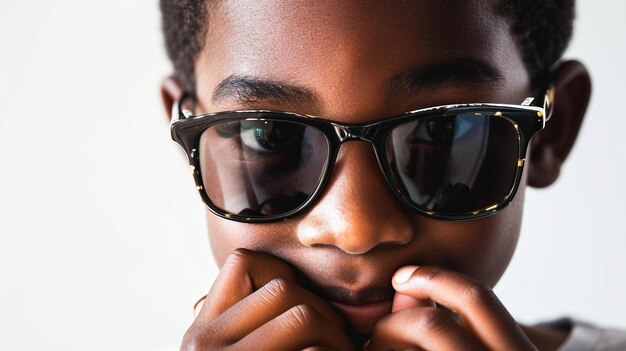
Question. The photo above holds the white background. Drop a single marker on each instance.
(102, 238)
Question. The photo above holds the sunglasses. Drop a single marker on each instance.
(453, 162)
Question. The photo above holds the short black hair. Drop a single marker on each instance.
(542, 28)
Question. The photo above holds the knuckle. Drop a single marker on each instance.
(301, 316)
(239, 257)
(278, 288)
(194, 343)
(209, 338)
(480, 295)
(432, 321)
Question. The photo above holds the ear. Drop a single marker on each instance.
(550, 147)
(171, 90)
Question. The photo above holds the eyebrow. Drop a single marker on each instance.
(249, 89)
(464, 73)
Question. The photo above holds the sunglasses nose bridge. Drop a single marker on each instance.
(361, 132)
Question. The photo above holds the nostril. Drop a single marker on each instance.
(355, 233)
(310, 234)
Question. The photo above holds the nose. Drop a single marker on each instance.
(357, 212)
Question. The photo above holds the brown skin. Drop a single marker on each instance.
(357, 234)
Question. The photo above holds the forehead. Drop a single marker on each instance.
(341, 44)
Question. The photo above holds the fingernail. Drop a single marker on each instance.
(403, 274)
(367, 344)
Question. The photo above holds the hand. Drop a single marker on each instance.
(484, 321)
(255, 304)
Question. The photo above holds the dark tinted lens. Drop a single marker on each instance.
(455, 164)
(259, 167)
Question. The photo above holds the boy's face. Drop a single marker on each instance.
(348, 54)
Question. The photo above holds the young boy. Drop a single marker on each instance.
(369, 226)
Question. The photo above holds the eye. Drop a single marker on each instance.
(444, 129)
(271, 136)
(440, 129)
(228, 129)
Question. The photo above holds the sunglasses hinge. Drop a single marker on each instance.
(363, 133)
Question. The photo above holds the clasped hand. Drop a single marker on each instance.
(256, 304)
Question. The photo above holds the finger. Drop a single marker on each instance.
(402, 302)
(243, 273)
(267, 303)
(298, 328)
(427, 328)
(478, 307)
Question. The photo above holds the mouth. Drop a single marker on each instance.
(364, 317)
(362, 308)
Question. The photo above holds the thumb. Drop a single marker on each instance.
(402, 302)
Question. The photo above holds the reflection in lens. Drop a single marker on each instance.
(454, 164)
(261, 167)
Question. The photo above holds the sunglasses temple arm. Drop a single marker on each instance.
(178, 111)
(548, 103)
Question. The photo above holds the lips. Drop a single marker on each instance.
(362, 308)
(364, 317)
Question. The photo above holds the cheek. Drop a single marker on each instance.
(225, 236)
(484, 248)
